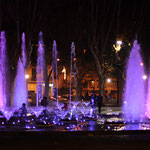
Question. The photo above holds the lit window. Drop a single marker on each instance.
(92, 84)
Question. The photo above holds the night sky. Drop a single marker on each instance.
(71, 20)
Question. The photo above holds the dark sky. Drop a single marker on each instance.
(71, 20)
(59, 17)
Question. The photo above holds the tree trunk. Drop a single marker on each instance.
(46, 90)
(47, 78)
(102, 85)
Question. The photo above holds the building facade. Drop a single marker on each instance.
(89, 84)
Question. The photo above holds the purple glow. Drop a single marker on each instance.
(23, 50)
(148, 100)
(134, 100)
(55, 72)
(2, 70)
(40, 70)
(72, 67)
(20, 94)
(91, 112)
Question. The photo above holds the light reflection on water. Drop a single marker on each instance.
(104, 122)
(132, 127)
(90, 126)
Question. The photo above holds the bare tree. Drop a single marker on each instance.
(98, 38)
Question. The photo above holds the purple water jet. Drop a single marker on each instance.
(134, 98)
(148, 99)
(72, 67)
(55, 72)
(3, 70)
(40, 70)
(20, 93)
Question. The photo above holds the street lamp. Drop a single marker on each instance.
(119, 42)
(108, 80)
(27, 76)
(117, 46)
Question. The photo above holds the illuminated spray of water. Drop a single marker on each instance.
(148, 99)
(20, 92)
(72, 67)
(40, 70)
(55, 73)
(2, 70)
(134, 98)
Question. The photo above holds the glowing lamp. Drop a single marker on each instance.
(64, 71)
(74, 59)
(117, 46)
(27, 76)
(141, 63)
(144, 77)
(119, 42)
(108, 80)
(50, 85)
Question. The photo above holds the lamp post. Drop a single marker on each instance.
(117, 48)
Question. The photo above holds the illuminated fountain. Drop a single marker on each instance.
(2, 70)
(55, 73)
(20, 92)
(80, 114)
(72, 67)
(134, 96)
(148, 100)
(40, 70)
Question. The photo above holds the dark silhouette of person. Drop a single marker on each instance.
(45, 112)
(93, 99)
(99, 102)
(65, 107)
(87, 96)
(92, 102)
(23, 110)
(44, 102)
